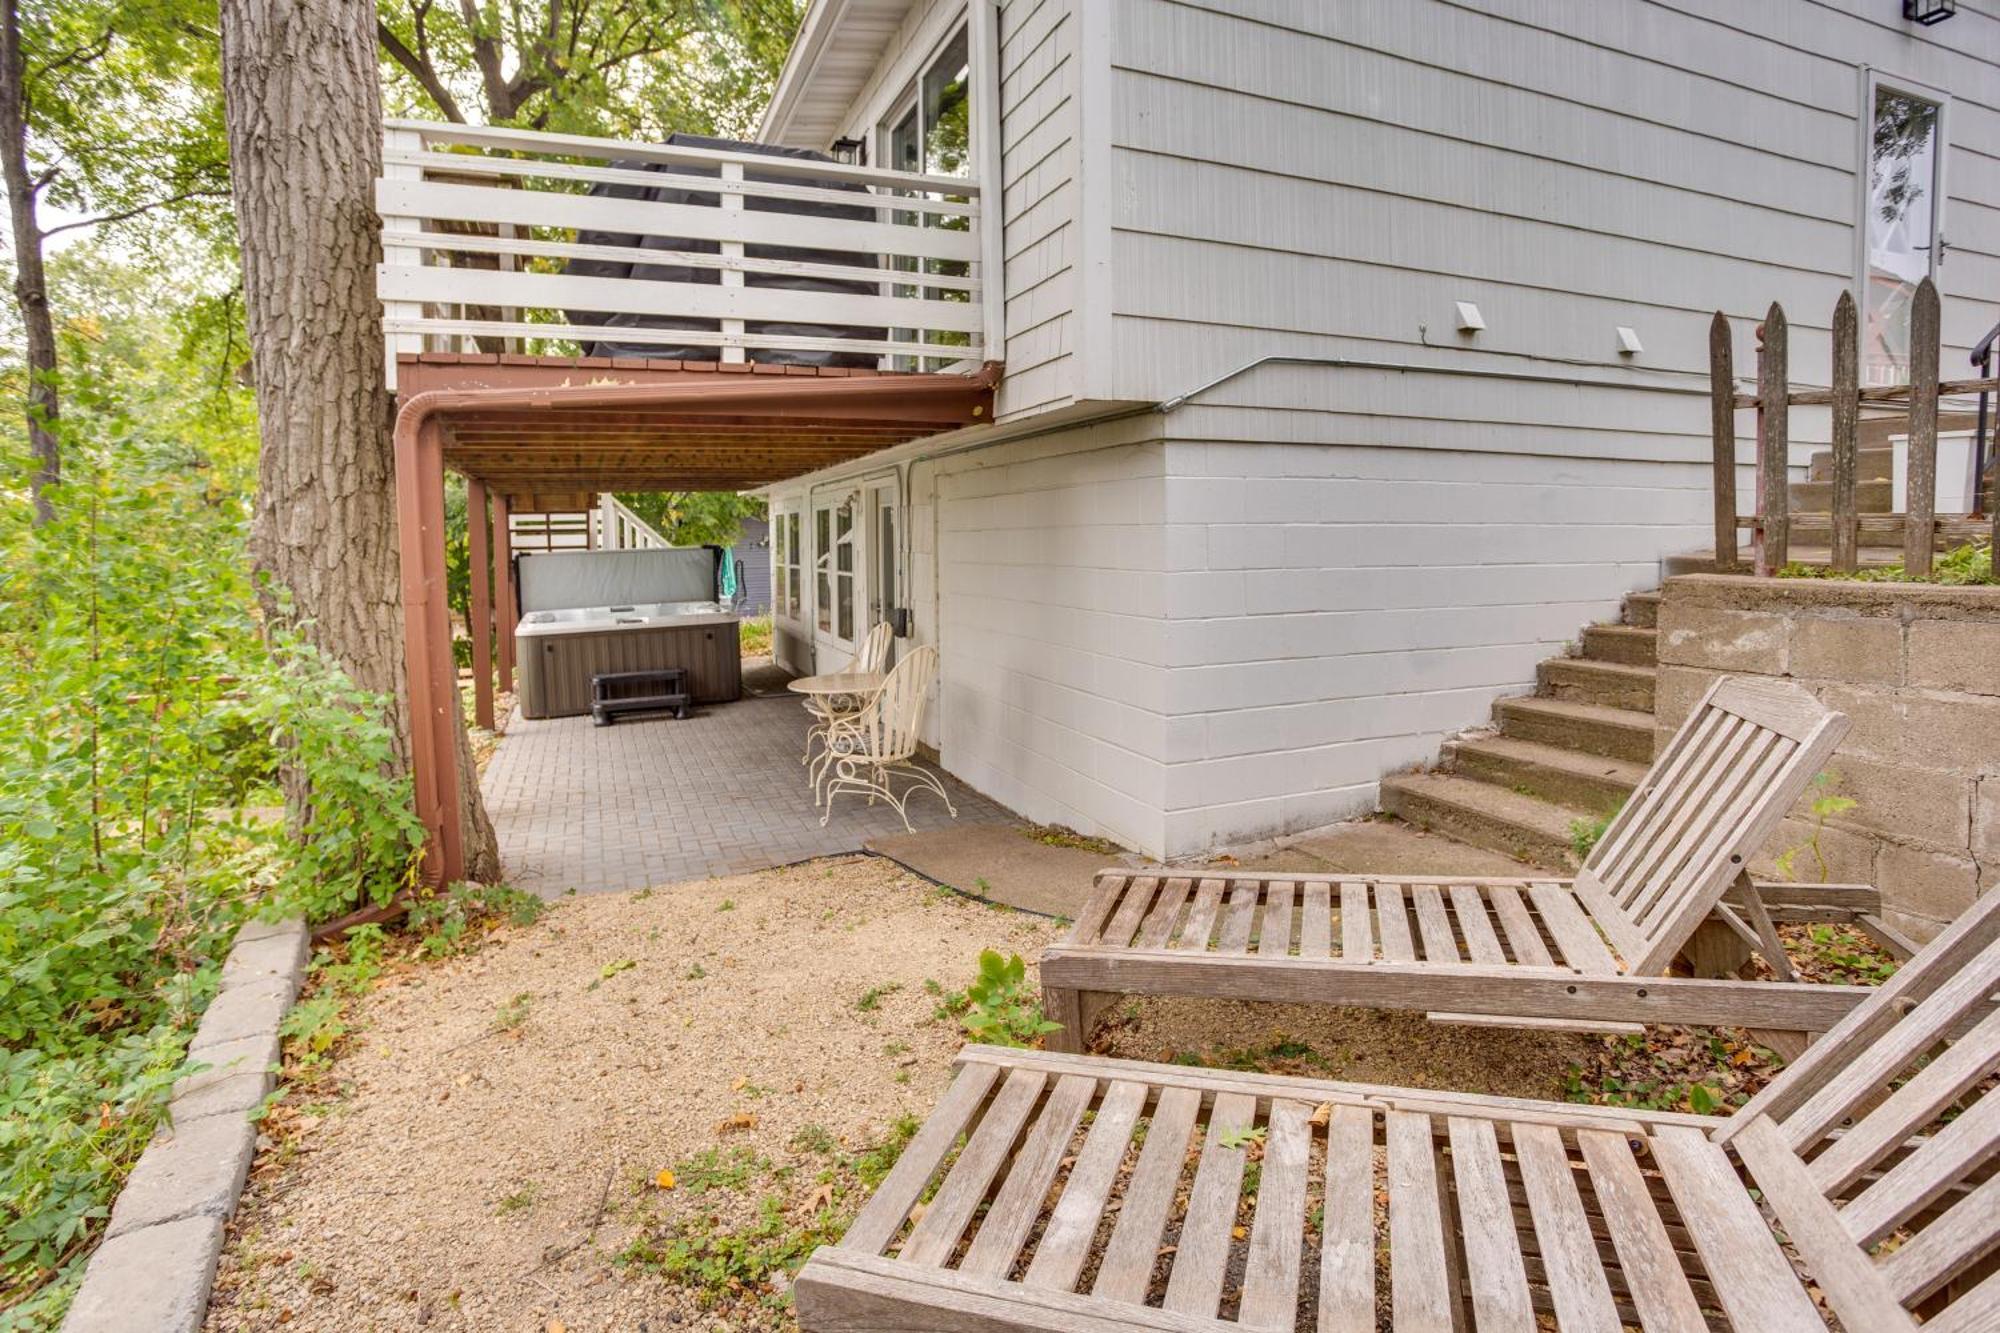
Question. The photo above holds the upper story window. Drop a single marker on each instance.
(931, 133)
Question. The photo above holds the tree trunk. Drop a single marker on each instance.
(31, 292)
(305, 142)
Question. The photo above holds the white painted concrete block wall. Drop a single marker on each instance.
(1335, 610)
(1051, 619)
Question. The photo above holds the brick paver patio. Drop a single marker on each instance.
(654, 801)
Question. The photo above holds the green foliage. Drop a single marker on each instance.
(1968, 564)
(142, 716)
(695, 518)
(1001, 1007)
(1825, 805)
(1585, 834)
(445, 923)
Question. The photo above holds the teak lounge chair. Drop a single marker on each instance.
(1590, 952)
(1870, 1179)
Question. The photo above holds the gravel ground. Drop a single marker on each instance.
(478, 1176)
(491, 1156)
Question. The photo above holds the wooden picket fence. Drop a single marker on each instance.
(1774, 397)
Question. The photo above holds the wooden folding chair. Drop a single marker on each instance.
(1590, 952)
(1060, 1192)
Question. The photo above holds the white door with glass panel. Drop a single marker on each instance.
(836, 556)
(1902, 201)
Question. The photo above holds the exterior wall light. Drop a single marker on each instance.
(851, 152)
(1928, 12)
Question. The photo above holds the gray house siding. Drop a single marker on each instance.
(753, 550)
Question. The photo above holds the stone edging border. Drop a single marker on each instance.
(157, 1262)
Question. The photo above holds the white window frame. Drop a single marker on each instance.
(1873, 81)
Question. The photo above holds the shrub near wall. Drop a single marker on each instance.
(1917, 669)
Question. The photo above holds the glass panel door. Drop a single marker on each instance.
(836, 571)
(1900, 228)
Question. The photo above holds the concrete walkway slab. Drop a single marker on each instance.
(1000, 863)
(1382, 847)
(653, 801)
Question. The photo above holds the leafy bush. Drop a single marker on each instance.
(1001, 1007)
(142, 717)
(1968, 564)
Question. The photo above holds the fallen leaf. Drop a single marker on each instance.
(1239, 1232)
(665, 1180)
(557, 1326)
(742, 1081)
(741, 1120)
(1322, 1115)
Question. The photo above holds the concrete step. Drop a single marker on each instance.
(1642, 609)
(1613, 684)
(1870, 497)
(1484, 815)
(1633, 645)
(1870, 464)
(1583, 781)
(1615, 733)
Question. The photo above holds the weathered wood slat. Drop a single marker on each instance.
(1910, 1107)
(1104, 895)
(1655, 1278)
(1750, 1272)
(1481, 940)
(1975, 1311)
(1072, 1225)
(1895, 1047)
(1853, 1286)
(1967, 1233)
(1922, 500)
(1419, 1278)
(1158, 927)
(1127, 1267)
(1574, 935)
(1200, 925)
(1880, 393)
(1274, 930)
(936, 1233)
(1019, 1202)
(883, 1216)
(1271, 1271)
(1394, 924)
(1722, 438)
(1925, 1174)
(1572, 1268)
(1239, 918)
(1316, 921)
(1132, 909)
(1195, 1284)
(1434, 925)
(1347, 1241)
(1495, 1276)
(1846, 433)
(1357, 934)
(1519, 923)
(1774, 498)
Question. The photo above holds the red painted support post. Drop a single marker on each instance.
(427, 641)
(480, 561)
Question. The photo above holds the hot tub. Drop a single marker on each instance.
(560, 650)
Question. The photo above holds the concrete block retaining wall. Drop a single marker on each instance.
(1917, 668)
(158, 1258)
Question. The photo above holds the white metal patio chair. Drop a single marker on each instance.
(871, 657)
(865, 749)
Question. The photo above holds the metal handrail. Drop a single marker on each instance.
(1982, 361)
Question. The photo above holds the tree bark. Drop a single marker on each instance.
(31, 293)
(304, 116)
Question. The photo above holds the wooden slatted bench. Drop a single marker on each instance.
(1049, 1191)
(1591, 951)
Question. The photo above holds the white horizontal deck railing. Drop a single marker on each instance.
(489, 238)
